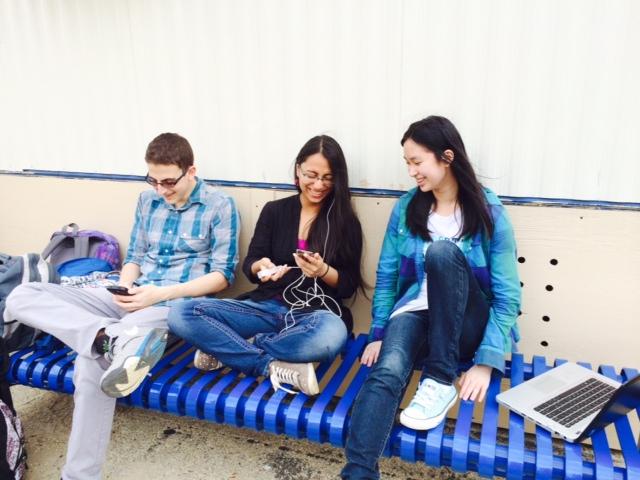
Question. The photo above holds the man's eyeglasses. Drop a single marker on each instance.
(168, 183)
(326, 180)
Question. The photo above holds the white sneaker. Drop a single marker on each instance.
(133, 352)
(429, 406)
(299, 375)
(206, 362)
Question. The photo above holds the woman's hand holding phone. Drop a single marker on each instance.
(311, 264)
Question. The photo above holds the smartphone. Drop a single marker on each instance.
(302, 252)
(119, 290)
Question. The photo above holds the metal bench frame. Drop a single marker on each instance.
(229, 397)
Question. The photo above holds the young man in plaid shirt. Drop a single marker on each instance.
(184, 244)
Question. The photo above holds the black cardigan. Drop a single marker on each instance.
(276, 237)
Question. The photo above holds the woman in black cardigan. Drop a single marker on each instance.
(305, 257)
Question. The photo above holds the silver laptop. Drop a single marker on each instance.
(572, 401)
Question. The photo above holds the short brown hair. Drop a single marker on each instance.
(170, 149)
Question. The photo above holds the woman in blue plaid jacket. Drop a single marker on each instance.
(447, 290)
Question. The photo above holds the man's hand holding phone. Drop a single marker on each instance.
(137, 297)
(119, 290)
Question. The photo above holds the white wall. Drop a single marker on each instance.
(545, 93)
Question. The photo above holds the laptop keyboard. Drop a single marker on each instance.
(577, 403)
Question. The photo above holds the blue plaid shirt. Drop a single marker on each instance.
(493, 262)
(174, 245)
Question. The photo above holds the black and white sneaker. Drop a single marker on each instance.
(133, 352)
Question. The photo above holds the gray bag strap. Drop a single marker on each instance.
(80, 244)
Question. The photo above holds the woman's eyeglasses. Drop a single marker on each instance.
(168, 183)
(326, 180)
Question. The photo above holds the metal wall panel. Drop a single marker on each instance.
(544, 93)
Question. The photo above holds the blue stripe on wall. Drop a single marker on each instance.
(366, 192)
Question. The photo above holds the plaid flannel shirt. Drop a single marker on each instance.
(174, 245)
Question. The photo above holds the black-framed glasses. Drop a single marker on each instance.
(167, 183)
(327, 180)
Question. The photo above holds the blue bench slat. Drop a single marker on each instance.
(295, 415)
(176, 395)
(156, 396)
(274, 411)
(57, 371)
(40, 375)
(462, 431)
(234, 405)
(25, 368)
(630, 450)
(515, 454)
(488, 435)
(433, 446)
(602, 452)
(572, 461)
(295, 418)
(214, 398)
(139, 398)
(316, 429)
(14, 362)
(407, 444)
(338, 423)
(544, 444)
(195, 396)
(254, 406)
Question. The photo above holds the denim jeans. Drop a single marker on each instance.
(222, 327)
(450, 331)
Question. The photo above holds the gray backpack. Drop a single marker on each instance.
(15, 270)
(71, 243)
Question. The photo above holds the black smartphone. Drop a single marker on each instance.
(302, 252)
(119, 290)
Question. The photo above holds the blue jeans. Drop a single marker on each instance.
(450, 331)
(221, 328)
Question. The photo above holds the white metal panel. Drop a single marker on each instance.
(544, 93)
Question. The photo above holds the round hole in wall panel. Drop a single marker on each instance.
(544, 343)
(553, 261)
(549, 288)
(521, 260)
(545, 318)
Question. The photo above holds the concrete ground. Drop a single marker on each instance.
(150, 445)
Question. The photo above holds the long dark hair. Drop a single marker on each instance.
(344, 242)
(438, 134)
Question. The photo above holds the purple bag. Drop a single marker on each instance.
(71, 242)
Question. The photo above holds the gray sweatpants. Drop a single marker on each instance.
(75, 315)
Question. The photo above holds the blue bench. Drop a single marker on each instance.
(229, 397)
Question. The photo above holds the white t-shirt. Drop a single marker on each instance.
(440, 228)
